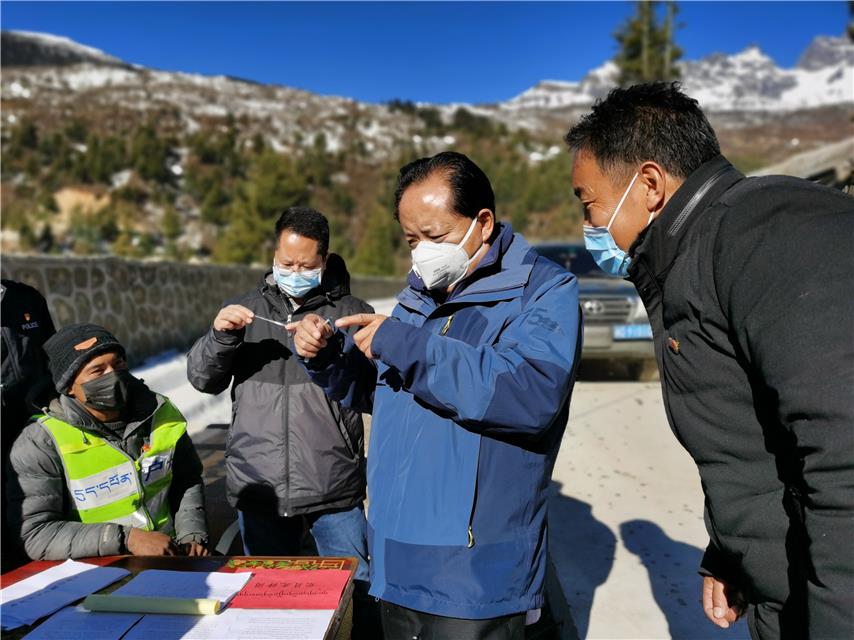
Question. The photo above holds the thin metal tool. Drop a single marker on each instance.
(281, 324)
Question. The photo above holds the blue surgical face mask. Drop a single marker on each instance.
(601, 245)
(297, 283)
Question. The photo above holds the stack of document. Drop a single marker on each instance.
(280, 605)
(50, 590)
(76, 623)
(157, 583)
(236, 624)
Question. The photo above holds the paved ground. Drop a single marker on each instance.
(626, 530)
(626, 525)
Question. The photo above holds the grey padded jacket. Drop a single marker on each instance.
(289, 450)
(39, 506)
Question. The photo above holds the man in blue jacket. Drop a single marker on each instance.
(469, 385)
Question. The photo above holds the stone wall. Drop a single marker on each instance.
(150, 306)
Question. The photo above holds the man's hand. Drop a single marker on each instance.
(722, 604)
(194, 549)
(363, 338)
(150, 543)
(232, 317)
(310, 335)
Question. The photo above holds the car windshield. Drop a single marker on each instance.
(572, 257)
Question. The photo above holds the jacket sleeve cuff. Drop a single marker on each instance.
(389, 338)
(199, 538)
(228, 338)
(713, 564)
(113, 540)
(329, 354)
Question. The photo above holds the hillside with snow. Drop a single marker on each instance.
(100, 154)
(26, 48)
(46, 72)
(748, 81)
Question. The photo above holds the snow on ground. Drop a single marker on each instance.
(167, 374)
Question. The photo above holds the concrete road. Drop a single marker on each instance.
(626, 519)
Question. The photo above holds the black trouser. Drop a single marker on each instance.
(772, 621)
(400, 623)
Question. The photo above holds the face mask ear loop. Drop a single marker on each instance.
(648, 220)
(468, 233)
(622, 200)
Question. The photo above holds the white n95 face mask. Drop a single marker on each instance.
(442, 264)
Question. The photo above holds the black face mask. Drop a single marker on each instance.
(108, 392)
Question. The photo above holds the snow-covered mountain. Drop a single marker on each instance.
(47, 76)
(27, 48)
(744, 82)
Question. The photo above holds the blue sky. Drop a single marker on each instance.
(436, 52)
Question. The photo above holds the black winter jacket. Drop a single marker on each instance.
(289, 450)
(749, 285)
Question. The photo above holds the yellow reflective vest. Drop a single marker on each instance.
(108, 485)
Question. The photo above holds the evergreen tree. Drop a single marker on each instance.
(247, 239)
(273, 184)
(26, 236)
(375, 254)
(213, 204)
(149, 154)
(647, 48)
(45, 242)
(171, 224)
(25, 136)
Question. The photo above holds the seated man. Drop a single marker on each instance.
(108, 468)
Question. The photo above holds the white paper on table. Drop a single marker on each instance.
(76, 623)
(185, 584)
(236, 624)
(50, 590)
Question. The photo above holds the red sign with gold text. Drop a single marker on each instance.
(291, 589)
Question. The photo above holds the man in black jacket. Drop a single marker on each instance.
(294, 459)
(748, 284)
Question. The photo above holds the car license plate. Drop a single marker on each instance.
(632, 332)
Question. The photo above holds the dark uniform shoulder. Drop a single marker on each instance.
(21, 290)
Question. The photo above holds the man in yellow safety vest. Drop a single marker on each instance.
(108, 468)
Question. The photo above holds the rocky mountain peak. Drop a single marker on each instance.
(29, 49)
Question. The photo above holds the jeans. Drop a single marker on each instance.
(340, 532)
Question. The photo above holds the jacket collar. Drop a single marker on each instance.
(143, 404)
(501, 274)
(657, 246)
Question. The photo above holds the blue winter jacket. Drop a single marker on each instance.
(470, 400)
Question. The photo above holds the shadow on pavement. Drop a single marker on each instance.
(582, 549)
(676, 585)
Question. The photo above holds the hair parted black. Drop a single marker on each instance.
(307, 222)
(646, 122)
(469, 185)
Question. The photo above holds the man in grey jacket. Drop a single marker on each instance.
(108, 468)
(294, 459)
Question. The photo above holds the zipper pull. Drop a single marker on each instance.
(471, 538)
(447, 325)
